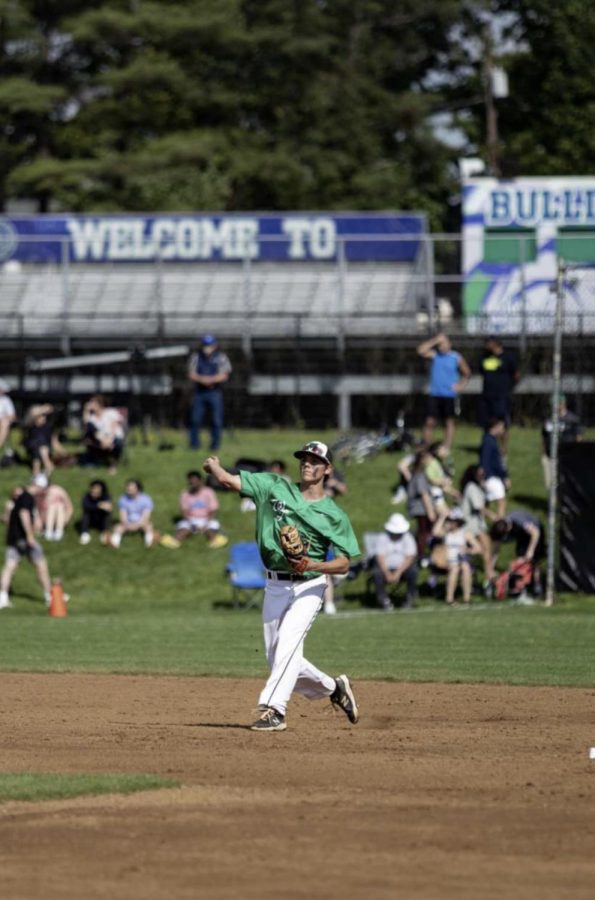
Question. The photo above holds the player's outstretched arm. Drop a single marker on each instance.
(225, 478)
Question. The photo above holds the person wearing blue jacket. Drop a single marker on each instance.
(497, 482)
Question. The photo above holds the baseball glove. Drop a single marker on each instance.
(293, 547)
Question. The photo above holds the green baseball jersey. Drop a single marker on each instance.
(321, 523)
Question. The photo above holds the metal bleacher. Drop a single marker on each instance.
(170, 300)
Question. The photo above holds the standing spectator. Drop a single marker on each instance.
(135, 514)
(104, 433)
(473, 505)
(460, 544)
(54, 507)
(20, 542)
(41, 443)
(208, 369)
(199, 505)
(570, 430)
(7, 413)
(500, 375)
(449, 375)
(419, 501)
(97, 512)
(395, 561)
(497, 482)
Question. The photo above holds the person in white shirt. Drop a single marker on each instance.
(7, 413)
(396, 561)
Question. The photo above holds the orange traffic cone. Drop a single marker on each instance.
(58, 607)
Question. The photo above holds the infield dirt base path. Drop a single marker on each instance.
(441, 791)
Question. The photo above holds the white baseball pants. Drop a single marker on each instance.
(289, 609)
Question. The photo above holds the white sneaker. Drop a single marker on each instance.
(49, 536)
(399, 496)
(85, 538)
(330, 609)
(4, 600)
(148, 538)
(47, 598)
(116, 540)
(58, 535)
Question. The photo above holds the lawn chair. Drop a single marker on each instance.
(246, 573)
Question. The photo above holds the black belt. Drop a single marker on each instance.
(284, 576)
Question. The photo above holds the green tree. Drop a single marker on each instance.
(547, 125)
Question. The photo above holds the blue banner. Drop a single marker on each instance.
(232, 237)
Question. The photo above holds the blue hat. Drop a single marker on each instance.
(208, 340)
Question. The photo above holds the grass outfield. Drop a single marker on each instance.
(160, 610)
(497, 644)
(36, 786)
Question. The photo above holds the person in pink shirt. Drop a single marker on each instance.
(199, 505)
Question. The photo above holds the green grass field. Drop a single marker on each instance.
(168, 611)
(36, 786)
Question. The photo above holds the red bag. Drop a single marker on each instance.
(515, 580)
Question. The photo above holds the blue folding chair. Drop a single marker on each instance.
(246, 572)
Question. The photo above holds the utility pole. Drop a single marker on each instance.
(490, 106)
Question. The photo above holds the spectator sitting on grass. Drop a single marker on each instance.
(135, 514)
(395, 561)
(198, 504)
(40, 442)
(438, 475)
(104, 433)
(419, 501)
(54, 507)
(97, 512)
(460, 545)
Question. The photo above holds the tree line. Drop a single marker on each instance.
(283, 104)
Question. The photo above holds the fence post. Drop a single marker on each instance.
(159, 295)
(344, 409)
(428, 245)
(553, 497)
(248, 311)
(523, 256)
(341, 273)
(65, 267)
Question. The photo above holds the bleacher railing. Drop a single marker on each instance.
(501, 286)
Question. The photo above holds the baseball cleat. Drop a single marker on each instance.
(270, 720)
(344, 698)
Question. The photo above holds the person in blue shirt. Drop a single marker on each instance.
(449, 374)
(135, 508)
(208, 370)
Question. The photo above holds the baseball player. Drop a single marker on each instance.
(295, 526)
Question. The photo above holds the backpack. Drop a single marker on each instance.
(515, 579)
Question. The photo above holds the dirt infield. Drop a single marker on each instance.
(440, 791)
